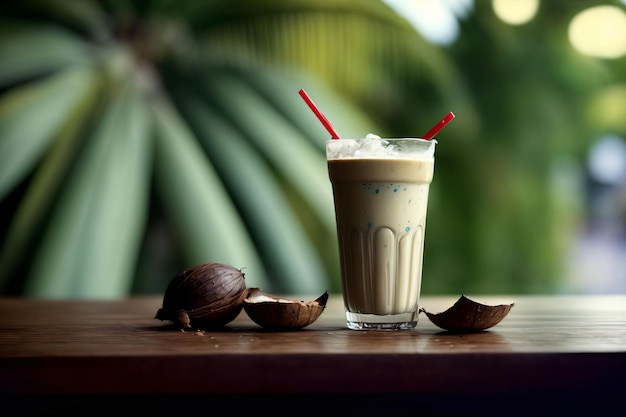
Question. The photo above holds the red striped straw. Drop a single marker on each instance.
(440, 125)
(319, 114)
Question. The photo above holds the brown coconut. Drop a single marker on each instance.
(204, 296)
(468, 316)
(276, 313)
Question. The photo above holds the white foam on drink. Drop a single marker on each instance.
(373, 146)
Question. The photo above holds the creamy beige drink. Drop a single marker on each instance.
(380, 190)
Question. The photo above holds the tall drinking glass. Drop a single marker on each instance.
(380, 189)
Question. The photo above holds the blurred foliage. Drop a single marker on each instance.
(140, 137)
(512, 218)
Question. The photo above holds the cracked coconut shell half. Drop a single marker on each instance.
(276, 313)
(468, 316)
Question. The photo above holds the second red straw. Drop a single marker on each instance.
(440, 125)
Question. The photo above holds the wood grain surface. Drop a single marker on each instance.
(565, 344)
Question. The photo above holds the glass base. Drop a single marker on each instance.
(359, 321)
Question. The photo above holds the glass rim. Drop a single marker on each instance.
(392, 139)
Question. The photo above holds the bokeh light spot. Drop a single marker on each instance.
(599, 32)
(515, 12)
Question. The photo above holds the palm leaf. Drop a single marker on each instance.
(40, 195)
(30, 116)
(198, 203)
(30, 51)
(306, 171)
(279, 236)
(94, 235)
(279, 91)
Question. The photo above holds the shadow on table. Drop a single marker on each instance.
(544, 403)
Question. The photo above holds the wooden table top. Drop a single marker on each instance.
(562, 343)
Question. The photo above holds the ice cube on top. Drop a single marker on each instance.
(373, 146)
(342, 148)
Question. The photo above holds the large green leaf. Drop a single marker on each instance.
(199, 205)
(31, 116)
(44, 185)
(280, 238)
(29, 51)
(93, 239)
(279, 90)
(290, 153)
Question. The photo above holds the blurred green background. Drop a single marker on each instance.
(141, 137)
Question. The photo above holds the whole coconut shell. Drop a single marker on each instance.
(204, 296)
